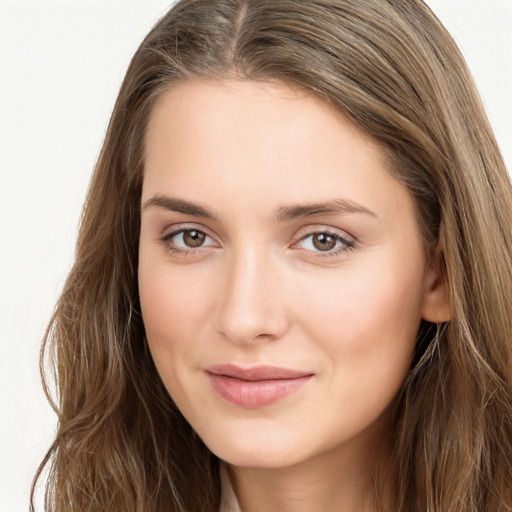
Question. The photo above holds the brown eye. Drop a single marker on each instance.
(193, 238)
(188, 241)
(324, 241)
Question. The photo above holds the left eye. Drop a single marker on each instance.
(324, 242)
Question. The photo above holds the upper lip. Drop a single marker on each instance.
(255, 373)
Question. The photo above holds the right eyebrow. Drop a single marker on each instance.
(178, 205)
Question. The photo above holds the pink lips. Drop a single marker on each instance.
(255, 387)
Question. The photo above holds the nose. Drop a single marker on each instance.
(252, 299)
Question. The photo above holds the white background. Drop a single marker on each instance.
(61, 64)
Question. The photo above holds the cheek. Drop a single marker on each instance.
(174, 310)
(367, 333)
(368, 324)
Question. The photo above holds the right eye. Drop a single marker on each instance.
(187, 240)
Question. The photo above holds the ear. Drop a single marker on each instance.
(436, 307)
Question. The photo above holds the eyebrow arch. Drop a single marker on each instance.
(179, 205)
(286, 213)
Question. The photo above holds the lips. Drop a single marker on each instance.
(255, 387)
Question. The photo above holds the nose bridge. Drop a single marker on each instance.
(251, 303)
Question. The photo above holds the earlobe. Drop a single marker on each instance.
(436, 307)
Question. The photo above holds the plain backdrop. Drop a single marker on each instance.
(61, 65)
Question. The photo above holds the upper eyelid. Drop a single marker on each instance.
(311, 230)
(167, 236)
(338, 236)
(175, 229)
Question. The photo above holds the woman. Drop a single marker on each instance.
(293, 278)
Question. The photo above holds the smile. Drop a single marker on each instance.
(255, 387)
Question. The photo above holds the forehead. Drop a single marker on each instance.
(245, 139)
(262, 109)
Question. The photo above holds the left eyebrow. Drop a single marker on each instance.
(286, 213)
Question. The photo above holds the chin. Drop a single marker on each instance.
(251, 453)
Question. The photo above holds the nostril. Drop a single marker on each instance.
(250, 307)
(250, 326)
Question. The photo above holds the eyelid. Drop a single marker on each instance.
(176, 229)
(324, 228)
(347, 240)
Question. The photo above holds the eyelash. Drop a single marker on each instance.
(171, 247)
(346, 243)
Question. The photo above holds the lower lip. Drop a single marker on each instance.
(258, 393)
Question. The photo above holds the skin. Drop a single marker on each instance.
(256, 290)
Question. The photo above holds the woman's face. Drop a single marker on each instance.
(282, 273)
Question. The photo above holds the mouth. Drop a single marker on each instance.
(255, 387)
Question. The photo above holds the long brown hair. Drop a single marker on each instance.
(391, 67)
